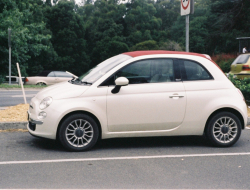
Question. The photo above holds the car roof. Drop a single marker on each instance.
(46, 72)
(155, 52)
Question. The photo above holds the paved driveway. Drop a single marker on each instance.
(165, 162)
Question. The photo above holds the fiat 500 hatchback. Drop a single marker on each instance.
(141, 94)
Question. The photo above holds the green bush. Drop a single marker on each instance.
(225, 65)
(2, 79)
(243, 85)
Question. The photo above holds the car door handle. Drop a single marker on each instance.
(176, 96)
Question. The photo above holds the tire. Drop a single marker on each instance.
(78, 132)
(40, 84)
(224, 129)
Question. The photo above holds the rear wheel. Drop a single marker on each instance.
(224, 129)
(40, 84)
(78, 132)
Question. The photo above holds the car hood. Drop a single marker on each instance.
(62, 90)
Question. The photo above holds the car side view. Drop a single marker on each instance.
(48, 78)
(241, 66)
(141, 94)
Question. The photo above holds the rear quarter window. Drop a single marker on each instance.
(192, 71)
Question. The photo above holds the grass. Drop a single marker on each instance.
(7, 86)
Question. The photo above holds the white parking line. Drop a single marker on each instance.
(123, 158)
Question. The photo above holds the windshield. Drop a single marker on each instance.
(101, 69)
(242, 59)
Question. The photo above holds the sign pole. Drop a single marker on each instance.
(187, 8)
(9, 43)
(187, 33)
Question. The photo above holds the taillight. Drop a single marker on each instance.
(241, 94)
(26, 80)
(245, 68)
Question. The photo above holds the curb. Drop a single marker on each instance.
(13, 125)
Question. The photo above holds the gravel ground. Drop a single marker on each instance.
(14, 113)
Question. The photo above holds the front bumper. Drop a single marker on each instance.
(32, 123)
(45, 128)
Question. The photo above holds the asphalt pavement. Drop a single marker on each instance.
(131, 163)
(14, 97)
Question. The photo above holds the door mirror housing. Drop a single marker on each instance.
(119, 82)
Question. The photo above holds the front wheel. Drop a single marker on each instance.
(78, 132)
(224, 129)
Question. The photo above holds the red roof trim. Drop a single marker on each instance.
(154, 52)
(141, 53)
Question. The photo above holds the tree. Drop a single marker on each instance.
(68, 37)
(28, 38)
(146, 45)
(104, 29)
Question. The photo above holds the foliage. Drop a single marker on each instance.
(243, 85)
(146, 45)
(65, 36)
(1, 79)
(28, 38)
(171, 46)
(224, 61)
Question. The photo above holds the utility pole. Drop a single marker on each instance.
(9, 43)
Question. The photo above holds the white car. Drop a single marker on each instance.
(49, 78)
(141, 94)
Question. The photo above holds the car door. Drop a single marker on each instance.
(201, 90)
(62, 76)
(154, 99)
(50, 79)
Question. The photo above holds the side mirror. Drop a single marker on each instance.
(119, 82)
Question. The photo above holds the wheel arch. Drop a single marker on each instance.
(231, 110)
(80, 112)
(41, 82)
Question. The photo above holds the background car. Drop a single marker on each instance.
(49, 77)
(141, 94)
(241, 66)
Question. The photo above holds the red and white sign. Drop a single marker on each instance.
(185, 7)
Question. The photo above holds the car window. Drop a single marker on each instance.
(145, 71)
(51, 74)
(191, 70)
(62, 74)
(242, 59)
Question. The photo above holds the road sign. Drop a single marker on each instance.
(187, 7)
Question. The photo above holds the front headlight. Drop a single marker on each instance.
(45, 103)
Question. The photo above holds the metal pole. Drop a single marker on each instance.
(239, 46)
(9, 43)
(9, 65)
(187, 33)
